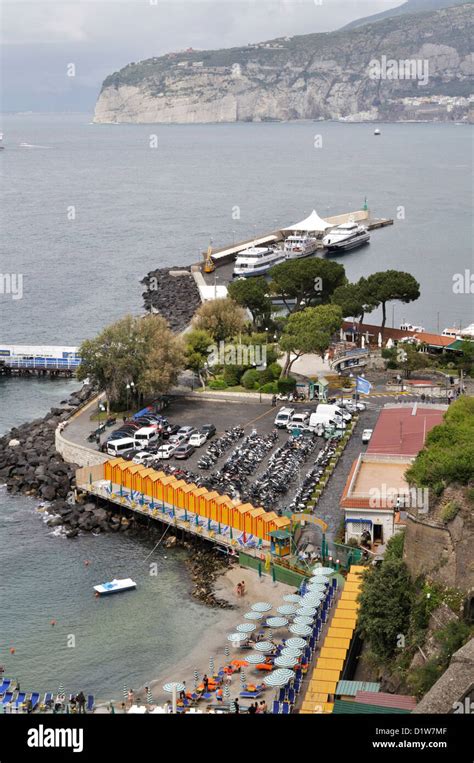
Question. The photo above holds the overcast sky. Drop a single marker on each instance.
(41, 37)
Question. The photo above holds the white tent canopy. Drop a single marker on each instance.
(313, 223)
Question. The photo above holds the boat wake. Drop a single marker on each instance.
(32, 145)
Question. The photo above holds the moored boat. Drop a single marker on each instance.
(115, 586)
(299, 246)
(257, 260)
(346, 236)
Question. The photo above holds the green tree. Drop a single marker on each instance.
(385, 607)
(307, 281)
(309, 331)
(252, 293)
(198, 342)
(355, 299)
(142, 350)
(466, 360)
(221, 318)
(409, 358)
(389, 285)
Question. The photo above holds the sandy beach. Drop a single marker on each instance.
(214, 641)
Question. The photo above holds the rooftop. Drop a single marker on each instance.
(375, 481)
(402, 429)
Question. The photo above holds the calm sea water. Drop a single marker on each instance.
(136, 208)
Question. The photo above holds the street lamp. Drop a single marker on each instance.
(129, 387)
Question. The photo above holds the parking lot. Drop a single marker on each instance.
(254, 416)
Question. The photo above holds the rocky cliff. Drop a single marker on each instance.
(314, 76)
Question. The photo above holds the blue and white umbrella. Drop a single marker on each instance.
(174, 686)
(323, 571)
(293, 598)
(211, 665)
(301, 620)
(279, 678)
(243, 677)
(287, 609)
(236, 638)
(264, 646)
(290, 651)
(245, 628)
(321, 579)
(254, 658)
(300, 630)
(227, 691)
(253, 615)
(314, 586)
(232, 707)
(297, 643)
(286, 662)
(312, 599)
(261, 606)
(307, 611)
(226, 651)
(277, 622)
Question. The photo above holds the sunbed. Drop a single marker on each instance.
(20, 699)
(250, 694)
(34, 700)
(5, 685)
(7, 698)
(90, 703)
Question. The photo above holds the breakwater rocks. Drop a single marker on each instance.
(29, 462)
(86, 517)
(205, 566)
(173, 294)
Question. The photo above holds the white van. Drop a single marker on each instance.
(119, 447)
(298, 420)
(144, 436)
(325, 414)
(283, 417)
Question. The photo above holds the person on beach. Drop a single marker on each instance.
(182, 694)
(242, 588)
(81, 702)
(205, 682)
(263, 705)
(130, 697)
(237, 706)
(238, 589)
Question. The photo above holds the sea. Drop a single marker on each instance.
(87, 210)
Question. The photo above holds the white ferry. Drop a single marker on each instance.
(299, 246)
(115, 586)
(347, 236)
(256, 261)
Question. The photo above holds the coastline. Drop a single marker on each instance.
(212, 643)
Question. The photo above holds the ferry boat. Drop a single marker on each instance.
(377, 131)
(115, 586)
(256, 261)
(346, 236)
(299, 246)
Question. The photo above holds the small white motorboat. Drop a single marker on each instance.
(115, 586)
(377, 131)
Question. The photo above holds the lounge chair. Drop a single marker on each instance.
(285, 708)
(276, 708)
(90, 703)
(5, 685)
(48, 699)
(7, 698)
(250, 694)
(34, 700)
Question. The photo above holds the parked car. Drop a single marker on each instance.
(143, 457)
(298, 420)
(166, 450)
(209, 430)
(169, 430)
(178, 438)
(197, 439)
(187, 431)
(184, 450)
(366, 435)
(283, 417)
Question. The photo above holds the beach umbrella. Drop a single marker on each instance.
(289, 651)
(243, 677)
(227, 691)
(61, 689)
(293, 598)
(279, 678)
(253, 615)
(323, 571)
(317, 585)
(311, 599)
(297, 643)
(261, 606)
(287, 609)
(245, 628)
(211, 665)
(232, 704)
(226, 651)
(301, 620)
(264, 646)
(174, 686)
(300, 630)
(254, 658)
(149, 697)
(237, 637)
(124, 692)
(196, 674)
(286, 662)
(307, 611)
(277, 622)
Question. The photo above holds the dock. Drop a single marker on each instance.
(38, 360)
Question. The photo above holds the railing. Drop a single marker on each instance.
(42, 363)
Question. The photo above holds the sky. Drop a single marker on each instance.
(41, 38)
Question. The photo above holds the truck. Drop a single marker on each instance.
(326, 414)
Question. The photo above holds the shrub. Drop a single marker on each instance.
(395, 546)
(270, 388)
(250, 379)
(275, 369)
(449, 511)
(217, 384)
(286, 384)
(265, 376)
(233, 375)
